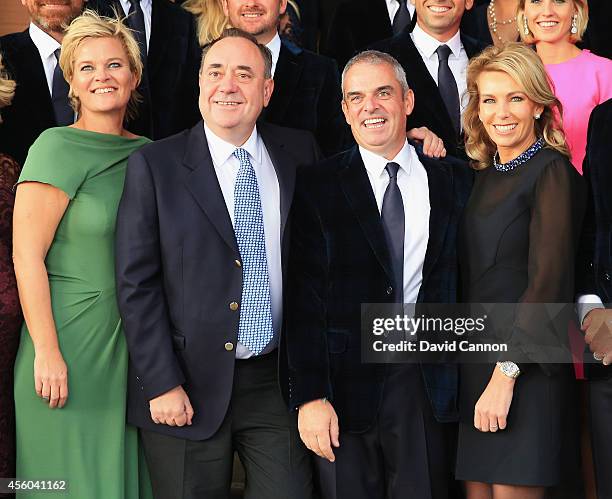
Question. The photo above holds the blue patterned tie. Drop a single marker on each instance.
(255, 328)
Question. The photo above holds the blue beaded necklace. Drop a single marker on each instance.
(520, 159)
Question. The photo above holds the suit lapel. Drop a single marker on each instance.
(358, 191)
(286, 78)
(439, 180)
(284, 165)
(159, 36)
(424, 86)
(34, 78)
(203, 184)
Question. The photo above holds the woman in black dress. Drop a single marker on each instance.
(516, 245)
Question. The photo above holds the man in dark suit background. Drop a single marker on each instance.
(357, 24)
(200, 249)
(170, 53)
(598, 36)
(594, 282)
(375, 224)
(30, 58)
(435, 55)
(306, 85)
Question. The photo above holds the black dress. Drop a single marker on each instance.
(516, 245)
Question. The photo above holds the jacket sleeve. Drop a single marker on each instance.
(140, 288)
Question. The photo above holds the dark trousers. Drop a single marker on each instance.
(405, 454)
(257, 425)
(600, 410)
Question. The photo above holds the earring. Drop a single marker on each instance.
(525, 27)
(537, 116)
(574, 29)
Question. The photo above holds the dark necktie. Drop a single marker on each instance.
(64, 114)
(136, 22)
(448, 87)
(392, 214)
(401, 19)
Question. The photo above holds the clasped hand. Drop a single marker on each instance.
(597, 326)
(172, 408)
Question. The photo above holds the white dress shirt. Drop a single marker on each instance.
(274, 45)
(414, 187)
(586, 303)
(226, 167)
(147, 8)
(457, 60)
(46, 46)
(393, 7)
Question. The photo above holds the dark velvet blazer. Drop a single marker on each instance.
(429, 109)
(170, 102)
(338, 261)
(356, 25)
(307, 96)
(31, 111)
(594, 272)
(176, 272)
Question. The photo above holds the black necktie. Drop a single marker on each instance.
(392, 214)
(448, 87)
(401, 19)
(64, 115)
(136, 22)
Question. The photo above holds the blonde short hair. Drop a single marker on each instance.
(7, 88)
(210, 16)
(523, 65)
(582, 19)
(92, 25)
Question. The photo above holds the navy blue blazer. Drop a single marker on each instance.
(339, 260)
(178, 270)
(594, 272)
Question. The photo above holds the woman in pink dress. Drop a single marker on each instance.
(582, 80)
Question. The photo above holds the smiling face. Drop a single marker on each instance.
(550, 20)
(233, 89)
(441, 18)
(375, 107)
(260, 18)
(507, 113)
(102, 79)
(52, 15)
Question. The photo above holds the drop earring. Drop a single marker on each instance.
(525, 27)
(537, 116)
(574, 29)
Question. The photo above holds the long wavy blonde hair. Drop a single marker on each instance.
(7, 88)
(210, 16)
(522, 64)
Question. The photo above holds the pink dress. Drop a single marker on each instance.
(580, 84)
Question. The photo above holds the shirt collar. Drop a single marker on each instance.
(274, 45)
(44, 42)
(221, 151)
(145, 5)
(376, 164)
(428, 45)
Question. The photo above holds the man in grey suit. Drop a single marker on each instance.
(201, 245)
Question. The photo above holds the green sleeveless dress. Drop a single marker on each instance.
(87, 443)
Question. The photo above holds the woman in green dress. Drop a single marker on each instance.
(71, 368)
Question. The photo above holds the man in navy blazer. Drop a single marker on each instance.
(201, 245)
(375, 224)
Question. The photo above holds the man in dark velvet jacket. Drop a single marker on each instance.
(29, 60)
(416, 52)
(306, 85)
(594, 282)
(380, 424)
(170, 82)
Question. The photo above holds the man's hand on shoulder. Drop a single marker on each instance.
(318, 426)
(172, 408)
(433, 146)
